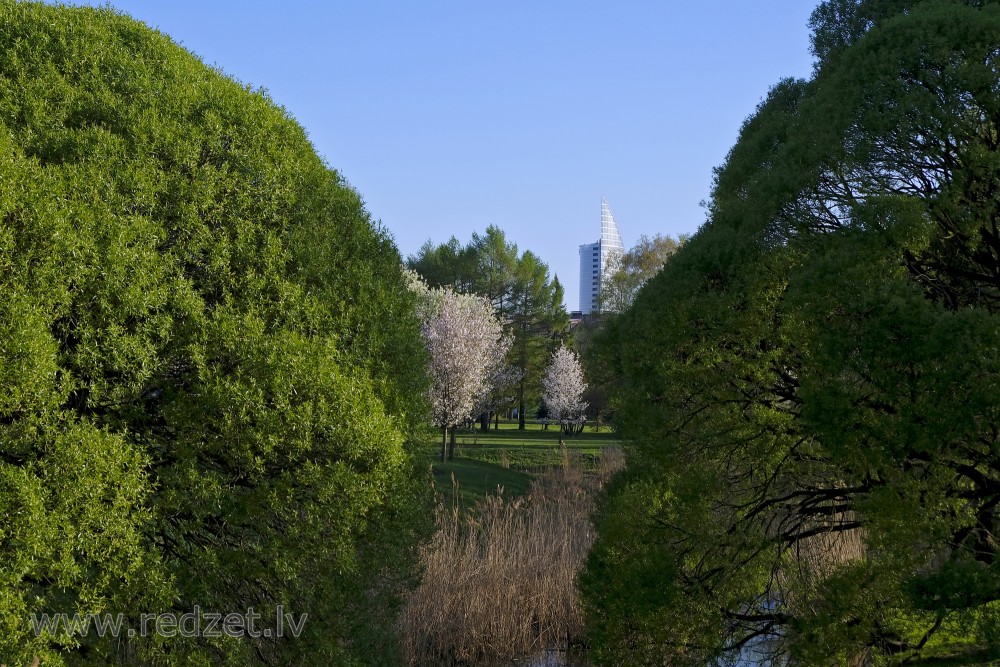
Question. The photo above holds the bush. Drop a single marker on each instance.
(209, 365)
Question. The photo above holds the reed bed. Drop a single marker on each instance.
(498, 581)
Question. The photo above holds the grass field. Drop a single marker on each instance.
(467, 480)
(510, 458)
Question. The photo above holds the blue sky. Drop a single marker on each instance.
(450, 116)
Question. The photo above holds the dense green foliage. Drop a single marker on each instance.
(627, 275)
(209, 361)
(810, 388)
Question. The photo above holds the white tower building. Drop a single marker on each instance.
(596, 259)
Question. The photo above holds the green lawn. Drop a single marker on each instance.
(533, 448)
(467, 480)
(510, 425)
(508, 457)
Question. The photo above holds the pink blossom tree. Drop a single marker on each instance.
(467, 345)
(563, 387)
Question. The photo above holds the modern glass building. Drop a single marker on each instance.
(596, 259)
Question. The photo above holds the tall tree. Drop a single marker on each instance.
(447, 265)
(495, 260)
(209, 362)
(809, 388)
(837, 24)
(538, 322)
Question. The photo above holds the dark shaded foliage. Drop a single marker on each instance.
(810, 387)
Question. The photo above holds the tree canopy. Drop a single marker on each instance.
(629, 271)
(209, 359)
(809, 388)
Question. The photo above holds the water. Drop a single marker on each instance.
(557, 658)
(754, 655)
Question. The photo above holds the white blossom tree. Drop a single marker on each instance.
(563, 388)
(466, 343)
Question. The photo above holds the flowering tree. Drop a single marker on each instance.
(563, 388)
(467, 345)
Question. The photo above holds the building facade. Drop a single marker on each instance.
(596, 259)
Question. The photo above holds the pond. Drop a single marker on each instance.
(751, 656)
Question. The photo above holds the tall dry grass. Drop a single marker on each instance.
(499, 579)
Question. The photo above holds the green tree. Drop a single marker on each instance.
(495, 260)
(209, 361)
(632, 269)
(484, 266)
(628, 273)
(446, 265)
(808, 388)
(538, 322)
(837, 24)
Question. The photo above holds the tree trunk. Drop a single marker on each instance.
(444, 443)
(484, 421)
(520, 405)
(451, 445)
(496, 421)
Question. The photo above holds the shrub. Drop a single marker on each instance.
(209, 364)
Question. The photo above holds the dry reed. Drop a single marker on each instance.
(499, 579)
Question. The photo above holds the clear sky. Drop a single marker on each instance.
(448, 116)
